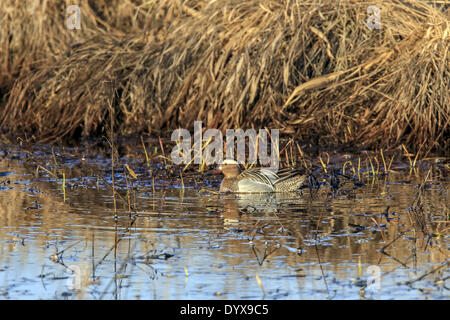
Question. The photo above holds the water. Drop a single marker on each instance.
(191, 243)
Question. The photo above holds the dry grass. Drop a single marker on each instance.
(312, 69)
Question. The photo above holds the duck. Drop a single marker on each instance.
(258, 180)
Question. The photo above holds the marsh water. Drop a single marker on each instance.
(64, 236)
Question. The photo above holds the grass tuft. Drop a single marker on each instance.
(311, 69)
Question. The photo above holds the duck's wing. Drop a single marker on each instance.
(268, 180)
(272, 174)
(265, 175)
(287, 173)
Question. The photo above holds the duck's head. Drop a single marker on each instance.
(230, 168)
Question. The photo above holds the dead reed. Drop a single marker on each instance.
(312, 69)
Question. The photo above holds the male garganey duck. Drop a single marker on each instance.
(258, 180)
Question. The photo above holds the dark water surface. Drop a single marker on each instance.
(183, 241)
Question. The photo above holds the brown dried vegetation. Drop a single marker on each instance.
(312, 69)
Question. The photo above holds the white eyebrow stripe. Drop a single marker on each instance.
(229, 161)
